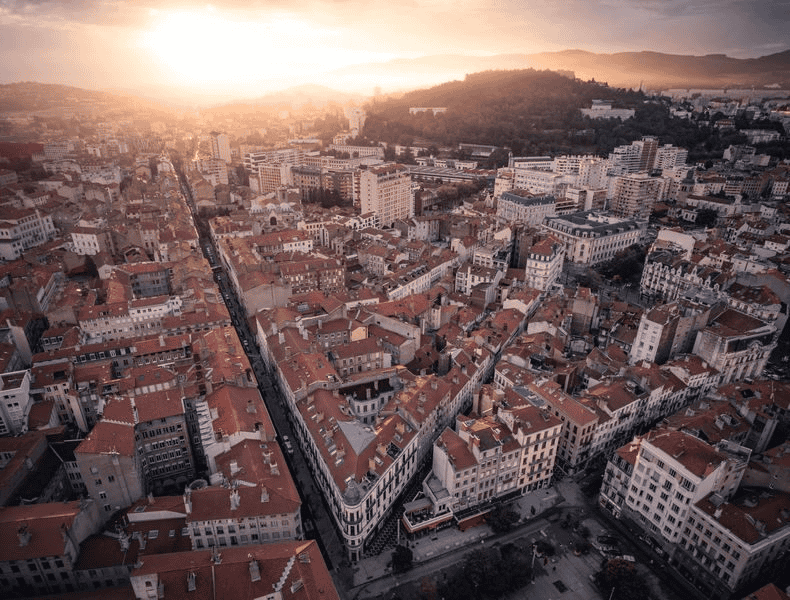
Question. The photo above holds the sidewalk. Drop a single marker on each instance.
(452, 539)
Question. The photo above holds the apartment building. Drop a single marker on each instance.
(22, 229)
(496, 457)
(91, 241)
(15, 402)
(591, 238)
(522, 206)
(578, 199)
(578, 422)
(255, 501)
(291, 156)
(636, 194)
(220, 147)
(672, 471)
(668, 330)
(469, 276)
(544, 264)
(538, 181)
(669, 157)
(110, 467)
(737, 345)
(386, 191)
(41, 544)
(119, 320)
(362, 469)
(667, 276)
(727, 544)
(292, 240)
(639, 156)
(285, 570)
(313, 274)
(214, 170)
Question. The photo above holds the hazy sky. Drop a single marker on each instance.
(237, 46)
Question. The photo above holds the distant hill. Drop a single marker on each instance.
(29, 96)
(660, 71)
(653, 70)
(26, 96)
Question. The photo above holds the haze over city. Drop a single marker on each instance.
(228, 49)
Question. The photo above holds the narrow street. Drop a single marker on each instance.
(316, 519)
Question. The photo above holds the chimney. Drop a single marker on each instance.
(255, 571)
(191, 581)
(235, 499)
(188, 501)
(24, 536)
(717, 513)
(234, 467)
(264, 494)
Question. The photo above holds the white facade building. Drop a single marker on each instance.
(520, 207)
(21, 229)
(386, 191)
(590, 238)
(220, 146)
(15, 402)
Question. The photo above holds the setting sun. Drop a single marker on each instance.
(207, 47)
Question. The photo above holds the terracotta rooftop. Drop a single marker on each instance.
(695, 455)
(109, 438)
(43, 523)
(751, 514)
(298, 566)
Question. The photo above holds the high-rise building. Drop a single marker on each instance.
(220, 146)
(669, 157)
(648, 147)
(386, 191)
(636, 194)
(637, 157)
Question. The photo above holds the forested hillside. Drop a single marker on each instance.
(503, 108)
(536, 112)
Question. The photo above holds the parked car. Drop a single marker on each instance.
(289, 448)
(606, 544)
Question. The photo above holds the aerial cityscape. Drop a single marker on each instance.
(295, 305)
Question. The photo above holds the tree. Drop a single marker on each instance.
(502, 519)
(621, 576)
(706, 217)
(402, 559)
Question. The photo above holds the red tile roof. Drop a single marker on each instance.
(43, 523)
(286, 562)
(108, 438)
(694, 454)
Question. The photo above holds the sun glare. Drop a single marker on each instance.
(208, 48)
